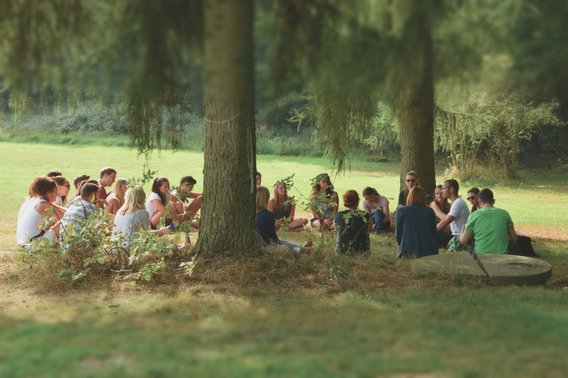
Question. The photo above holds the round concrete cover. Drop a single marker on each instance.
(497, 269)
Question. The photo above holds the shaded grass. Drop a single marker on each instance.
(450, 332)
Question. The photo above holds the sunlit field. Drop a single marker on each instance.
(537, 201)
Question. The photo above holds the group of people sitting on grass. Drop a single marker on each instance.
(352, 225)
(448, 222)
(51, 211)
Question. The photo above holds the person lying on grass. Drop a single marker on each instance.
(264, 225)
(353, 226)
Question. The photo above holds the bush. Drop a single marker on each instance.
(91, 254)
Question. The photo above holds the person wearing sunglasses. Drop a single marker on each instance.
(411, 181)
(473, 198)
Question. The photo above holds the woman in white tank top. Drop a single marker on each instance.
(34, 211)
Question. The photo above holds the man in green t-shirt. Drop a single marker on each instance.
(489, 227)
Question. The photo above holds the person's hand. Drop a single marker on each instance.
(163, 231)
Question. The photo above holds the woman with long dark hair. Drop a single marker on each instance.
(325, 203)
(35, 218)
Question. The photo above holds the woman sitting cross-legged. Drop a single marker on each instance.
(378, 207)
(132, 217)
(161, 203)
(416, 226)
(264, 224)
(284, 208)
(353, 226)
(325, 203)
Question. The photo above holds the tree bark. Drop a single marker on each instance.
(228, 209)
(414, 100)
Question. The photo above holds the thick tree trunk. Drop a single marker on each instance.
(228, 210)
(414, 102)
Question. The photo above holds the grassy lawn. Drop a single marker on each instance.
(379, 322)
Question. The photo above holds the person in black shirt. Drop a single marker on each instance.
(353, 226)
(264, 224)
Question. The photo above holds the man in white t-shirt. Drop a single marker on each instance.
(456, 218)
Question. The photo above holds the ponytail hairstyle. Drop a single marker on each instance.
(156, 188)
(41, 186)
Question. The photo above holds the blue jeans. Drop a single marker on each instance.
(378, 217)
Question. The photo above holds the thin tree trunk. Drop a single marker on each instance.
(414, 104)
(228, 209)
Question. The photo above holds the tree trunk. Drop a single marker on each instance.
(414, 100)
(228, 209)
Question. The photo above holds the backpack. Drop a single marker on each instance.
(523, 247)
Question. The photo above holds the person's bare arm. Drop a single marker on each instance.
(446, 220)
(161, 210)
(271, 205)
(439, 213)
(466, 237)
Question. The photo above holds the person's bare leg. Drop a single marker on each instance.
(297, 224)
(194, 206)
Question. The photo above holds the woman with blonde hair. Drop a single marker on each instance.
(284, 208)
(416, 226)
(115, 199)
(264, 224)
(132, 217)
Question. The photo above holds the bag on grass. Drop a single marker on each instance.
(523, 247)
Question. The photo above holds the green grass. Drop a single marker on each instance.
(535, 201)
(451, 332)
(453, 329)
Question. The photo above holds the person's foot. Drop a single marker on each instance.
(308, 246)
